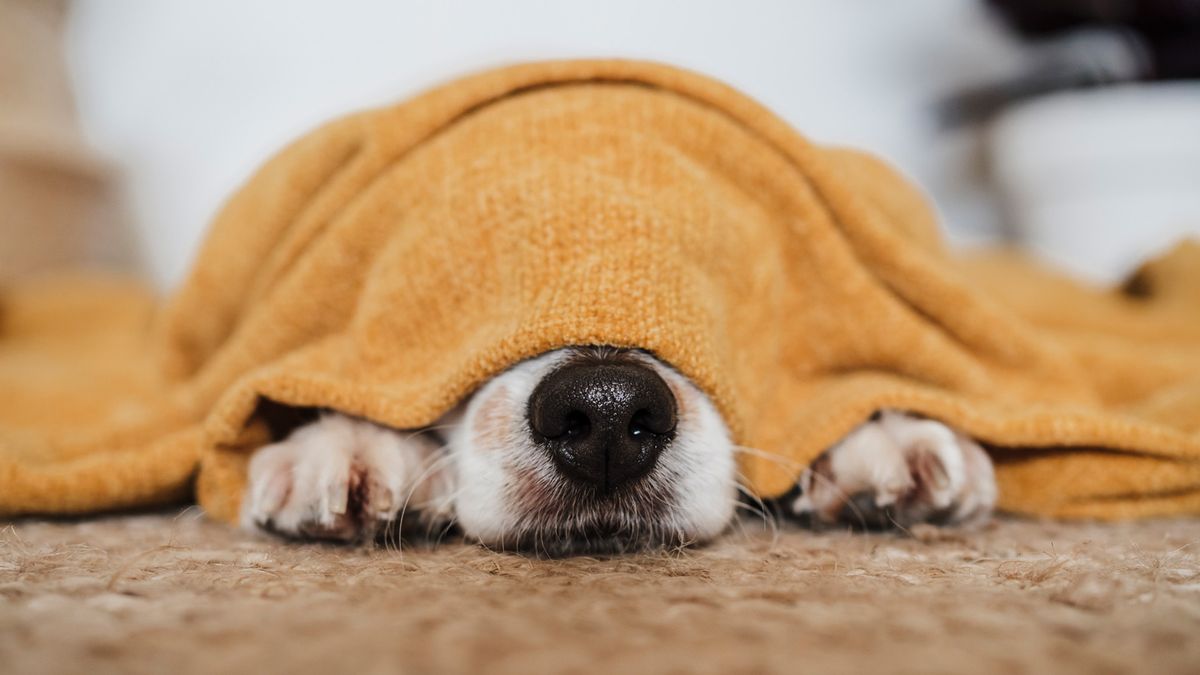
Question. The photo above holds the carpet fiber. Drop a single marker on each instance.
(176, 592)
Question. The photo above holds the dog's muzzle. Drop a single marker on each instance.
(604, 424)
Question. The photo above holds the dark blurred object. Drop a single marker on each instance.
(56, 195)
(1168, 30)
(1087, 43)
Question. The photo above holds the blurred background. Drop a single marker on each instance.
(1071, 127)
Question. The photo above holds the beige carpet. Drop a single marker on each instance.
(176, 593)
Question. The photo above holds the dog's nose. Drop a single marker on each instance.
(604, 424)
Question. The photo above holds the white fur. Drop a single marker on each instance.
(302, 483)
(876, 459)
(483, 475)
(483, 504)
(700, 462)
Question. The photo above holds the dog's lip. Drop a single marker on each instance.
(602, 526)
(596, 497)
(564, 518)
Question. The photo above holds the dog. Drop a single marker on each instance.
(595, 450)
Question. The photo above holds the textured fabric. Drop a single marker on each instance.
(173, 593)
(388, 263)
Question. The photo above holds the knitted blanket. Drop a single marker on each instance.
(390, 262)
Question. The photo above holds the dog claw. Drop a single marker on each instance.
(899, 470)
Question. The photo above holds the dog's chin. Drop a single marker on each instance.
(594, 537)
(569, 520)
(601, 539)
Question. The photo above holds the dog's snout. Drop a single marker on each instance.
(604, 424)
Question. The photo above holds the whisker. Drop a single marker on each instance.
(755, 507)
(429, 471)
(440, 507)
(900, 527)
(790, 463)
(769, 520)
(450, 523)
(781, 460)
(846, 499)
(411, 433)
(739, 522)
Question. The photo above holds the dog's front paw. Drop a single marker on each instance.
(899, 470)
(338, 479)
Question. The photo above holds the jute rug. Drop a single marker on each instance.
(176, 593)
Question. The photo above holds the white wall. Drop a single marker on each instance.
(188, 97)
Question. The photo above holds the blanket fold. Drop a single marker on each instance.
(390, 262)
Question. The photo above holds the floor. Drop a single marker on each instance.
(175, 592)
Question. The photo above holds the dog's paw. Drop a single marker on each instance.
(338, 478)
(899, 470)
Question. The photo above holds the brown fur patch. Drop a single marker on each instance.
(493, 423)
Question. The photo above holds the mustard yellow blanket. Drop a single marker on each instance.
(388, 263)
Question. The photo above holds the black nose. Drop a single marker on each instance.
(604, 424)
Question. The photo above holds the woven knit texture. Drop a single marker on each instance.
(390, 262)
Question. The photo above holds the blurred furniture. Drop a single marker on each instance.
(1093, 144)
(1097, 180)
(1165, 33)
(55, 203)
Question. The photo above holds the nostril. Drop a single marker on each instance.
(577, 425)
(646, 422)
(554, 423)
